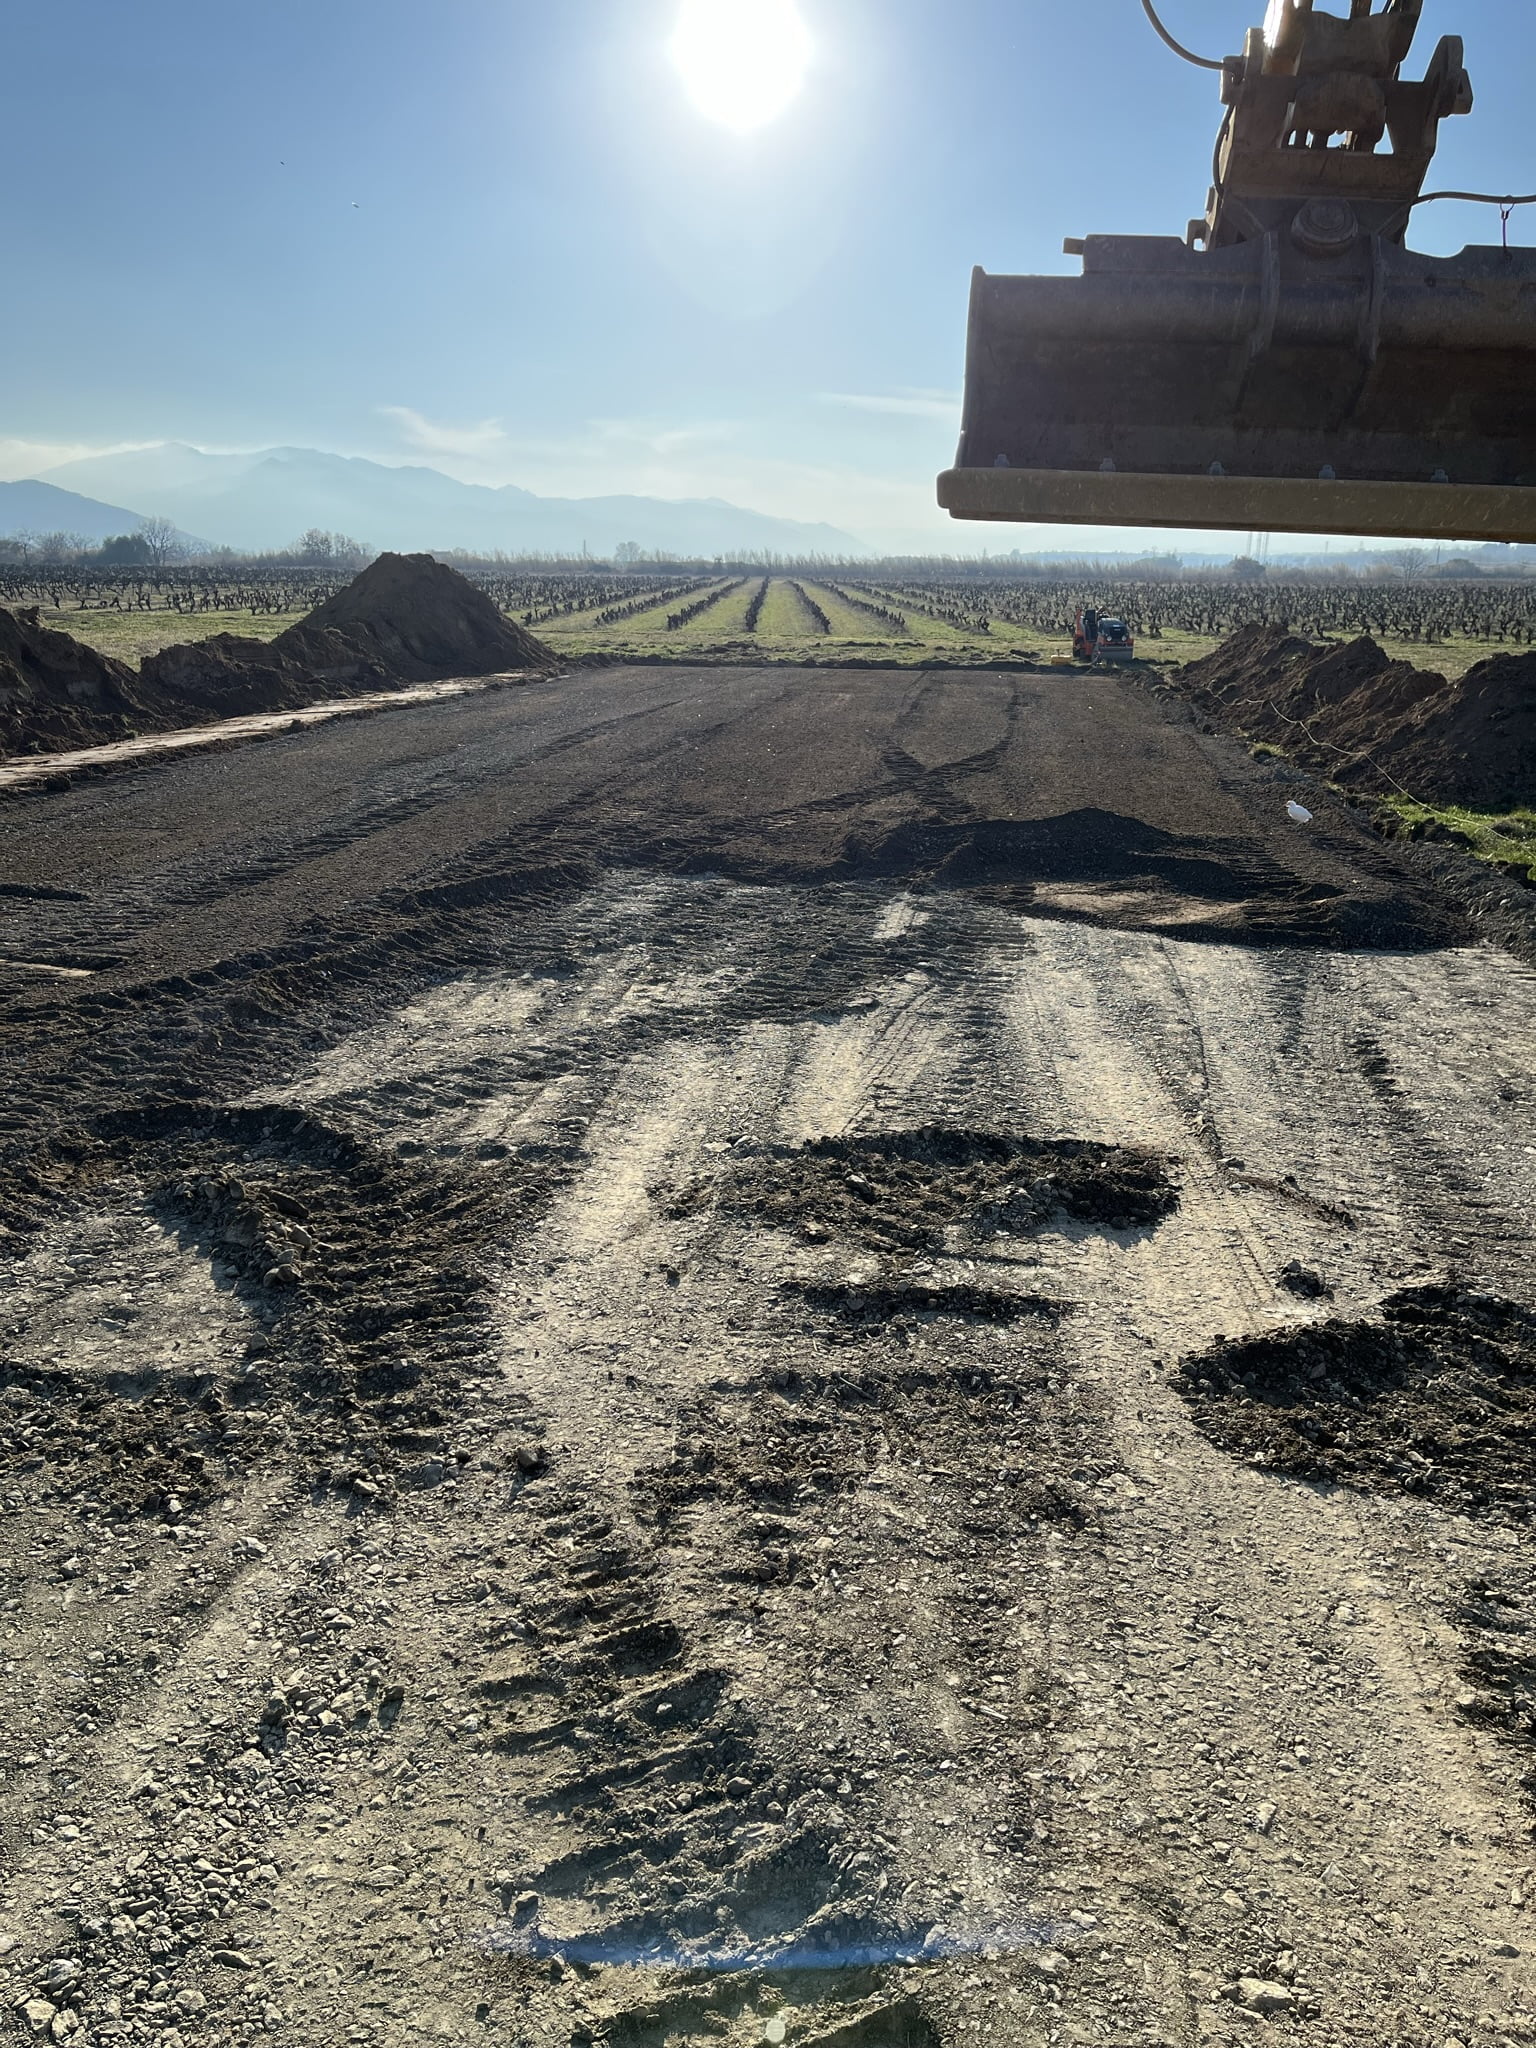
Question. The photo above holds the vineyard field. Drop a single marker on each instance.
(984, 615)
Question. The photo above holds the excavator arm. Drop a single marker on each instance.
(1288, 364)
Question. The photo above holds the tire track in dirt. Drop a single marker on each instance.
(850, 1513)
(1200, 1529)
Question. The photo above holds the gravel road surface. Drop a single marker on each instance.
(759, 1355)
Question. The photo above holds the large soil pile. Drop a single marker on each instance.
(419, 620)
(1374, 723)
(55, 693)
(406, 619)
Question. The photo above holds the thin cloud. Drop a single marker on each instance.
(20, 458)
(656, 439)
(917, 405)
(437, 437)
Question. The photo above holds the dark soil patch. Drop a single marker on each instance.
(1437, 1399)
(1498, 1665)
(913, 1189)
(355, 1344)
(1373, 723)
(885, 1305)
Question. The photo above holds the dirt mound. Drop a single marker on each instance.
(915, 1188)
(406, 619)
(55, 692)
(1437, 1399)
(1373, 723)
(418, 620)
(227, 676)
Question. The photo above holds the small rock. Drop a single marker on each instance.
(526, 1902)
(1258, 1994)
(528, 1458)
(39, 2015)
(234, 1959)
(738, 1788)
(60, 1975)
(1304, 1282)
(1264, 1817)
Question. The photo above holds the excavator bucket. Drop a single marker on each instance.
(1289, 366)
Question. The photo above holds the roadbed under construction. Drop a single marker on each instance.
(761, 1355)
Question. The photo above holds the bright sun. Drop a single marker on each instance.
(742, 61)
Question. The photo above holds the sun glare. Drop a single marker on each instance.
(743, 61)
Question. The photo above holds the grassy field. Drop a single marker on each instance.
(786, 631)
(131, 635)
(1506, 839)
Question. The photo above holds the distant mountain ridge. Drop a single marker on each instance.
(33, 507)
(264, 499)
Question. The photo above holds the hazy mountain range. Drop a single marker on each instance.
(264, 500)
(44, 508)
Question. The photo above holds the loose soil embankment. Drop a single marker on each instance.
(405, 619)
(1373, 724)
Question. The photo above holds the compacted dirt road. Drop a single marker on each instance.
(759, 1356)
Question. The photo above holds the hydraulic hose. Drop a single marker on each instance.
(1178, 49)
(1506, 202)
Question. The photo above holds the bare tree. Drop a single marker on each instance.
(20, 546)
(163, 539)
(318, 549)
(59, 547)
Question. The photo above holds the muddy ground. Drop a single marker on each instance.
(759, 1356)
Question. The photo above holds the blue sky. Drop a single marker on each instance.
(499, 238)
